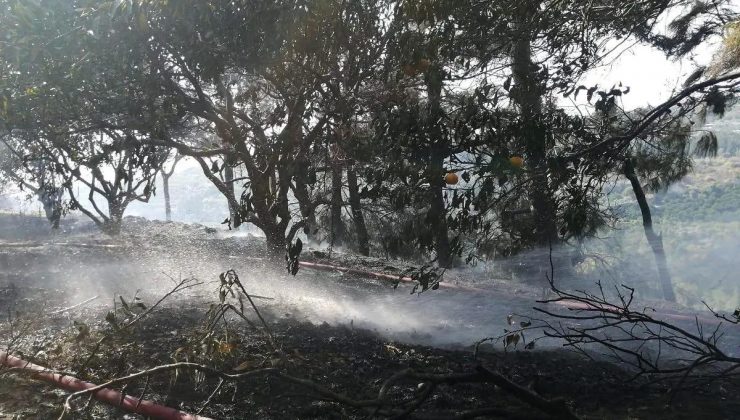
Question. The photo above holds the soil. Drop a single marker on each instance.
(35, 288)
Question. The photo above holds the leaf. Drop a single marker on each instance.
(578, 89)
(245, 365)
(590, 93)
(512, 339)
(123, 302)
(83, 329)
(707, 145)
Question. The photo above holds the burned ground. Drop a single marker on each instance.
(344, 357)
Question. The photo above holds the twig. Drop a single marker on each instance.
(627, 335)
(210, 397)
(143, 391)
(556, 408)
(69, 308)
(180, 286)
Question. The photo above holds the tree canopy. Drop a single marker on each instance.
(346, 118)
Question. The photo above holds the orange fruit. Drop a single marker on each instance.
(516, 161)
(451, 178)
(226, 348)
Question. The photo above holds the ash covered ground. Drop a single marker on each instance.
(347, 333)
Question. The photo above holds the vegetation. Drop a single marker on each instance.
(434, 131)
(294, 104)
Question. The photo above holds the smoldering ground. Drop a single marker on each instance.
(150, 256)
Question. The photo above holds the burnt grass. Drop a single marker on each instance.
(346, 360)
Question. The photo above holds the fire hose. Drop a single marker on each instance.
(570, 304)
(151, 409)
(110, 396)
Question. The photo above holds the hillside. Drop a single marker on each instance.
(699, 218)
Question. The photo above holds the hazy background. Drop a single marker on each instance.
(699, 216)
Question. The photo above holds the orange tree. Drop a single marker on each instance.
(263, 78)
(517, 58)
(252, 78)
(54, 73)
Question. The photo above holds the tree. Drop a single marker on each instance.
(655, 241)
(97, 160)
(550, 32)
(261, 102)
(66, 103)
(387, 97)
(564, 194)
(166, 175)
(36, 176)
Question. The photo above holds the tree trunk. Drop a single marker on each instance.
(435, 171)
(303, 196)
(52, 206)
(276, 244)
(112, 224)
(337, 227)
(437, 210)
(229, 180)
(55, 222)
(655, 240)
(363, 245)
(167, 201)
(527, 94)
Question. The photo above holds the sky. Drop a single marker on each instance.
(650, 75)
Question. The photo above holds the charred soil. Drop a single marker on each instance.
(39, 325)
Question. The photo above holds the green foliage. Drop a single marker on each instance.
(401, 92)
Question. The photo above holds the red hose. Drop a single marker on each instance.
(405, 279)
(378, 276)
(151, 409)
(110, 396)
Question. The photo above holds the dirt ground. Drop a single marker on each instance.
(343, 358)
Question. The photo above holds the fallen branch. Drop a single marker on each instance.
(69, 308)
(650, 346)
(181, 285)
(557, 408)
(733, 319)
(381, 405)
